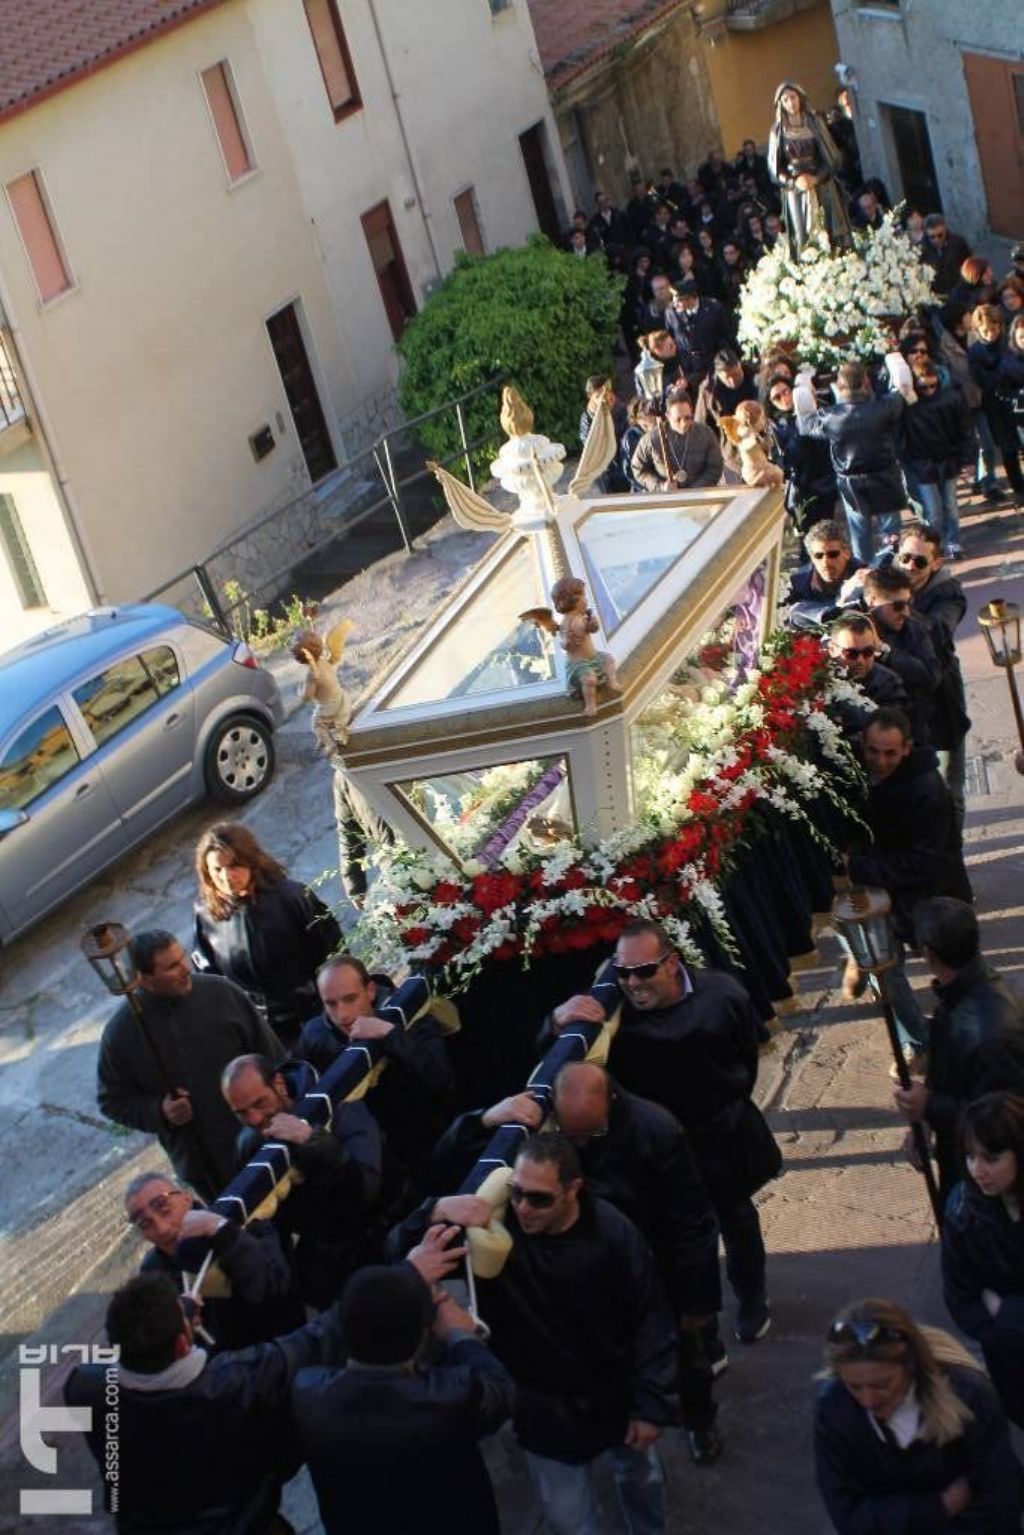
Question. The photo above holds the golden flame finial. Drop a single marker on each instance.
(516, 416)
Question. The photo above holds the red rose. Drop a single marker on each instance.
(491, 891)
(447, 892)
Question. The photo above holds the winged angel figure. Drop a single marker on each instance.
(322, 655)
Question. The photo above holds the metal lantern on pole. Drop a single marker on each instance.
(863, 918)
(1000, 624)
(107, 947)
(649, 374)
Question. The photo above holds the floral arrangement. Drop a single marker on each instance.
(833, 305)
(752, 738)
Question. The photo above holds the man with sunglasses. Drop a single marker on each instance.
(181, 1231)
(905, 644)
(814, 589)
(940, 600)
(854, 646)
(579, 1318)
(689, 1041)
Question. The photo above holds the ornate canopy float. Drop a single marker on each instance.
(532, 815)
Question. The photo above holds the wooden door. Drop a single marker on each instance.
(914, 156)
(389, 265)
(300, 387)
(532, 145)
(996, 90)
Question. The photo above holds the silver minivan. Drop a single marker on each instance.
(110, 724)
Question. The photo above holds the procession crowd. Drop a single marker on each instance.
(352, 1335)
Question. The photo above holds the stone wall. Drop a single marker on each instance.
(651, 106)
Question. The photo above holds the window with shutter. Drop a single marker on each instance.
(335, 60)
(227, 119)
(38, 235)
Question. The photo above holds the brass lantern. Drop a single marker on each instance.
(1000, 624)
(106, 947)
(863, 918)
(649, 374)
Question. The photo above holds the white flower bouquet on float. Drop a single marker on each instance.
(830, 306)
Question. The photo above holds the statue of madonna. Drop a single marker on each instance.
(803, 162)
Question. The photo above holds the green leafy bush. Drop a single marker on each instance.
(540, 317)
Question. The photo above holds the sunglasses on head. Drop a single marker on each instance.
(857, 652)
(919, 561)
(536, 1199)
(640, 972)
(864, 1335)
(827, 554)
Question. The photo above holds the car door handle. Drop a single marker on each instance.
(83, 791)
(171, 721)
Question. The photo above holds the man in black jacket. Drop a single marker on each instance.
(689, 1041)
(863, 434)
(700, 328)
(854, 646)
(340, 1169)
(940, 600)
(905, 644)
(159, 1069)
(912, 849)
(202, 1443)
(412, 1099)
(814, 589)
(977, 1031)
(944, 251)
(634, 1154)
(181, 1232)
(391, 1442)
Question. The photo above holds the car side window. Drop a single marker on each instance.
(162, 665)
(36, 760)
(111, 700)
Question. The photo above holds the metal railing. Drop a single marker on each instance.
(316, 519)
(12, 407)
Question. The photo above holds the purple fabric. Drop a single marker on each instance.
(496, 844)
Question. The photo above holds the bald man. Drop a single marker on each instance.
(635, 1155)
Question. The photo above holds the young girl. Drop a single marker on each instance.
(908, 1434)
(983, 1242)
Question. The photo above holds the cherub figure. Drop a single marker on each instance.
(322, 656)
(588, 668)
(746, 430)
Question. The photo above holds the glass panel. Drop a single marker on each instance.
(162, 668)
(488, 648)
(116, 697)
(719, 661)
(628, 552)
(483, 812)
(40, 756)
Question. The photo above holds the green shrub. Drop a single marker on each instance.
(540, 317)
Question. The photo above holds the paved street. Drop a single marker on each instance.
(848, 1217)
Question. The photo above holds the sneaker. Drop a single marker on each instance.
(705, 1445)
(718, 1359)
(752, 1321)
(854, 981)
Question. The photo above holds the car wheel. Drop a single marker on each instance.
(239, 759)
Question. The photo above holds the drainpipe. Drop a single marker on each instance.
(41, 424)
(405, 141)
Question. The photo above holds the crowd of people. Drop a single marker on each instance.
(351, 1334)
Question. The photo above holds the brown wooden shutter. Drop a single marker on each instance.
(225, 119)
(996, 89)
(33, 220)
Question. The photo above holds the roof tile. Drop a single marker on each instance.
(574, 34)
(48, 44)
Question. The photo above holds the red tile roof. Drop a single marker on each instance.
(573, 35)
(46, 45)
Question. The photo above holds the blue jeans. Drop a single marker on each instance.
(859, 524)
(941, 511)
(566, 1492)
(953, 767)
(911, 1024)
(985, 465)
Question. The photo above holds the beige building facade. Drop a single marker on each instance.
(238, 218)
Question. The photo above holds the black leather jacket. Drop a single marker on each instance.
(864, 438)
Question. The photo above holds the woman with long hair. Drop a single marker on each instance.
(803, 161)
(267, 933)
(909, 1434)
(985, 357)
(976, 285)
(983, 1242)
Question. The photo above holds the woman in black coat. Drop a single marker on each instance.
(909, 1436)
(983, 1242)
(985, 356)
(805, 461)
(267, 933)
